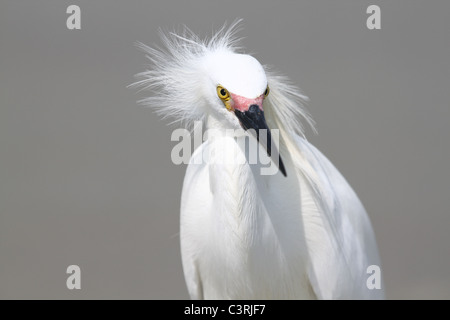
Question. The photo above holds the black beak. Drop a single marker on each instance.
(253, 118)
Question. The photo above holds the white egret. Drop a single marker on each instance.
(301, 233)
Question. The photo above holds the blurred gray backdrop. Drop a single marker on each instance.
(86, 176)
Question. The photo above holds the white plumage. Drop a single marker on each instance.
(245, 235)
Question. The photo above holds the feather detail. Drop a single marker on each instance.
(176, 77)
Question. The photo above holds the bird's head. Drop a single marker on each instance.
(236, 86)
(195, 80)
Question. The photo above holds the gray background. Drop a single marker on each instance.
(86, 176)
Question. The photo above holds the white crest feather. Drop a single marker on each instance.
(176, 78)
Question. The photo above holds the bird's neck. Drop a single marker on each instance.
(215, 126)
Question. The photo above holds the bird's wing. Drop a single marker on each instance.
(195, 197)
(341, 242)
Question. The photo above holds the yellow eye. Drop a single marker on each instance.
(266, 93)
(223, 93)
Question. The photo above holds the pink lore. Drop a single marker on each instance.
(242, 103)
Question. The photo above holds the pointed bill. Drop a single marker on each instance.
(253, 118)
